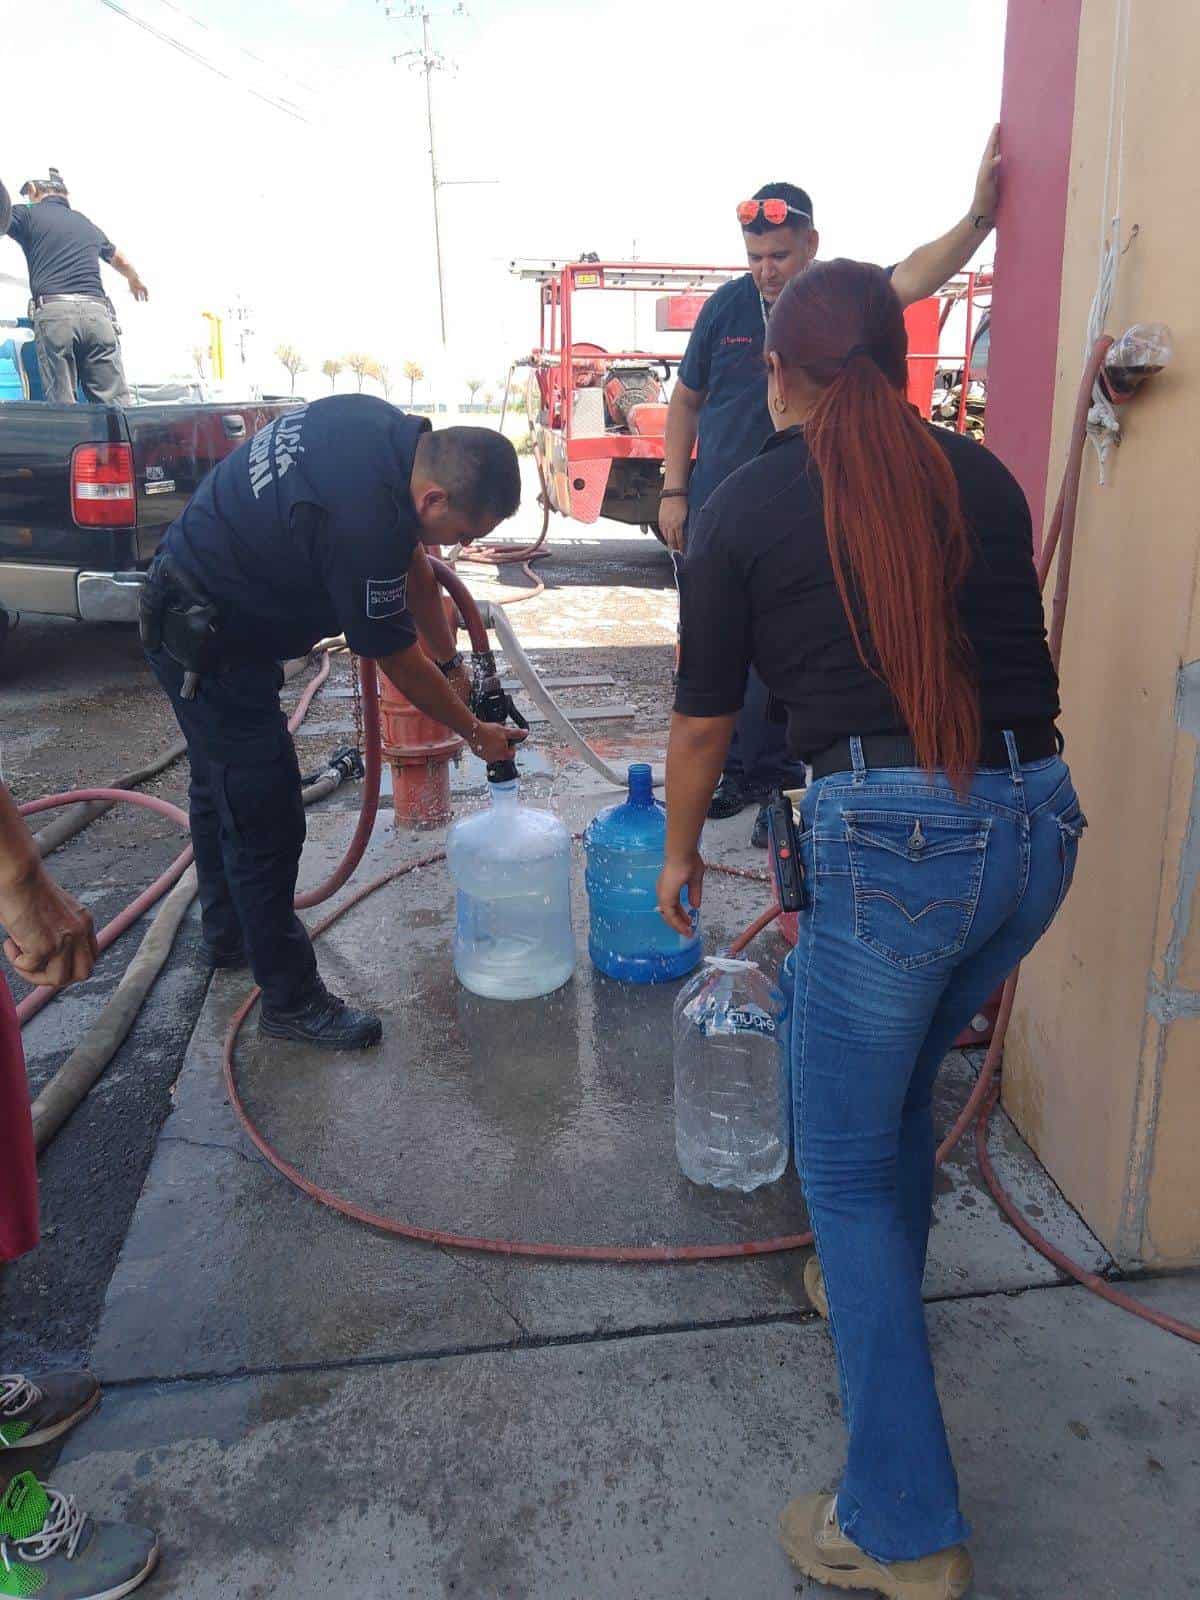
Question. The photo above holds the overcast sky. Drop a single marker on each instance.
(603, 125)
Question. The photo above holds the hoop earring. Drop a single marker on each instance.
(779, 404)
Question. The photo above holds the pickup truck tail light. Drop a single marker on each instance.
(103, 494)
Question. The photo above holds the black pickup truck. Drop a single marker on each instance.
(86, 492)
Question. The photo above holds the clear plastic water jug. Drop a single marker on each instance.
(627, 938)
(787, 984)
(511, 866)
(732, 1116)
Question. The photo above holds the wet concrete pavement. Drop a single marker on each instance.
(307, 1406)
(632, 1467)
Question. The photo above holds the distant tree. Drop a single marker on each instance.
(415, 375)
(199, 357)
(331, 368)
(360, 365)
(383, 378)
(473, 387)
(291, 361)
(489, 399)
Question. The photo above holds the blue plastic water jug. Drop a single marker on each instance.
(627, 938)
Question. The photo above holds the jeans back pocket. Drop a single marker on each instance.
(1071, 825)
(917, 877)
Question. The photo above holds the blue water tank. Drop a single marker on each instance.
(627, 938)
(12, 378)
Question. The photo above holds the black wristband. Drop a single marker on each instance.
(447, 667)
(672, 494)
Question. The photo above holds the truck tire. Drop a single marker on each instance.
(6, 628)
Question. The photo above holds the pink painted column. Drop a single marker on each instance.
(1036, 113)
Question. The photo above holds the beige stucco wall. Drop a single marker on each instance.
(1102, 1072)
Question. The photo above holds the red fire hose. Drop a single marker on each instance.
(38, 998)
(979, 1106)
(503, 555)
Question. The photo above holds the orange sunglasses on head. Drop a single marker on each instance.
(773, 211)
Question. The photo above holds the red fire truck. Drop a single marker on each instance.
(598, 417)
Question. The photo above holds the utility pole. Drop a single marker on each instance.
(428, 60)
(241, 315)
(633, 255)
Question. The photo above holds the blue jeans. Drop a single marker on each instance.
(920, 904)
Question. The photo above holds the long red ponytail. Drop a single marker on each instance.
(897, 540)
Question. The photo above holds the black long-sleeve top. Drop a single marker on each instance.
(757, 587)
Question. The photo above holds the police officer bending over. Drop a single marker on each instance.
(312, 528)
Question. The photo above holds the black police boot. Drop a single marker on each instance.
(729, 798)
(760, 834)
(324, 1021)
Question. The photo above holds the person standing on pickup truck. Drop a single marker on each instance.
(74, 322)
(314, 527)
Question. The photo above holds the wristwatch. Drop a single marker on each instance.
(452, 665)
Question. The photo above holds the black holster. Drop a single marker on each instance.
(175, 615)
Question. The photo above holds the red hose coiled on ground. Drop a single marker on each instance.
(40, 997)
(978, 1108)
(979, 1105)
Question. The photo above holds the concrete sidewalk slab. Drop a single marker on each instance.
(655, 1466)
(546, 1120)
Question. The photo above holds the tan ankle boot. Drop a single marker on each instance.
(809, 1532)
(814, 1287)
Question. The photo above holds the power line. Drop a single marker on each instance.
(241, 49)
(285, 106)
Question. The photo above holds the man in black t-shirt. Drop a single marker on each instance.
(314, 527)
(74, 323)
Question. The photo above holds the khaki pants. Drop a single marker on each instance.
(77, 346)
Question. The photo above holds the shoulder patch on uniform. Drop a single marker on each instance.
(387, 597)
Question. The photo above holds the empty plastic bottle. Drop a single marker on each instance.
(787, 984)
(627, 938)
(732, 1119)
(511, 866)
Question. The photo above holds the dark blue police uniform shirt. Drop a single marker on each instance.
(63, 249)
(725, 357)
(308, 530)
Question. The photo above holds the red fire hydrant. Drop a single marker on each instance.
(419, 752)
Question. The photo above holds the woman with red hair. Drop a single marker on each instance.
(878, 574)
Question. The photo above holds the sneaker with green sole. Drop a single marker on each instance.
(34, 1411)
(52, 1550)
